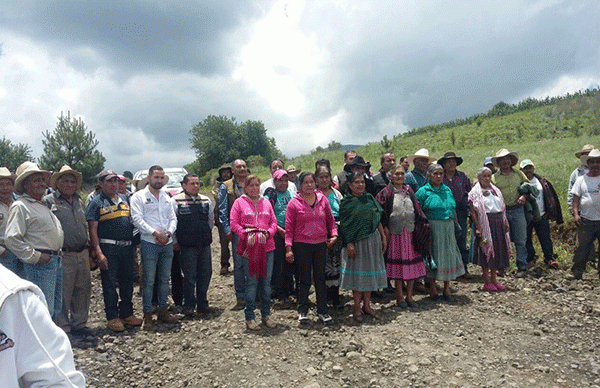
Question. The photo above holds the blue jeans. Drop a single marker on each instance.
(239, 275)
(518, 234)
(263, 285)
(120, 271)
(12, 262)
(156, 263)
(49, 278)
(197, 271)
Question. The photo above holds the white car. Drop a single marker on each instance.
(175, 175)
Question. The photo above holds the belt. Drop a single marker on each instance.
(119, 243)
(49, 252)
(73, 250)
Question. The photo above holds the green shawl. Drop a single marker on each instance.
(359, 217)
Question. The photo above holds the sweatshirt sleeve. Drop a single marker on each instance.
(290, 222)
(272, 220)
(331, 225)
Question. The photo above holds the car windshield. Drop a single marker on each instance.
(175, 179)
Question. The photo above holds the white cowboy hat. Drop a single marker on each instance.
(422, 153)
(5, 173)
(584, 150)
(65, 170)
(24, 170)
(594, 154)
(504, 152)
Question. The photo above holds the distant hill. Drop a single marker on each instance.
(348, 147)
(547, 131)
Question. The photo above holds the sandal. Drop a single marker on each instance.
(357, 316)
(371, 312)
(252, 326)
(552, 264)
(269, 323)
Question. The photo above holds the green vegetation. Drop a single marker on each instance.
(12, 155)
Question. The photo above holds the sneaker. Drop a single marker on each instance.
(131, 320)
(574, 276)
(491, 287)
(499, 287)
(240, 304)
(269, 323)
(521, 273)
(326, 319)
(252, 326)
(115, 325)
(224, 271)
(303, 318)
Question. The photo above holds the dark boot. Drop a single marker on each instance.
(164, 316)
(148, 323)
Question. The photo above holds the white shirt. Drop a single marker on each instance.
(34, 352)
(269, 183)
(492, 202)
(150, 214)
(587, 188)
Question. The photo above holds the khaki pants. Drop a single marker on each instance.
(77, 289)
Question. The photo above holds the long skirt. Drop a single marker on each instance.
(500, 258)
(366, 271)
(403, 263)
(444, 251)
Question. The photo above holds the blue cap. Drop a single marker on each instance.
(487, 160)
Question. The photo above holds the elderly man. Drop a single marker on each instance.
(509, 180)
(195, 220)
(34, 352)
(586, 211)
(7, 185)
(417, 177)
(153, 214)
(35, 236)
(77, 279)
(276, 164)
(229, 191)
(225, 172)
(549, 209)
(111, 234)
(381, 180)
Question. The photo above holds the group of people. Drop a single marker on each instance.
(356, 231)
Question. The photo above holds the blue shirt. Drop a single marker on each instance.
(415, 180)
(223, 206)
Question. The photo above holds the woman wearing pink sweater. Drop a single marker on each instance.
(309, 229)
(253, 220)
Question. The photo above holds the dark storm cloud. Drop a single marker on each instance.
(446, 61)
(132, 35)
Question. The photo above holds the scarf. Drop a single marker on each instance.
(253, 247)
(359, 217)
(476, 198)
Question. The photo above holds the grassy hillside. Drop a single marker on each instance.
(549, 135)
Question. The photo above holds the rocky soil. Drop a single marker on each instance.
(542, 332)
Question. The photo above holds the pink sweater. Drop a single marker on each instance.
(245, 212)
(305, 224)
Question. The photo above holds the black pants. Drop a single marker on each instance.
(282, 280)
(310, 260)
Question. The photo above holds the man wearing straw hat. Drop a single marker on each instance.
(508, 180)
(417, 177)
(579, 171)
(77, 279)
(35, 236)
(7, 186)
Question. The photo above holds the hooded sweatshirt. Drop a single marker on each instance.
(309, 224)
(260, 215)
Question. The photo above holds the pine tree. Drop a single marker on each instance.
(72, 144)
(12, 155)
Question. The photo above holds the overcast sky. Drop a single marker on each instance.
(142, 73)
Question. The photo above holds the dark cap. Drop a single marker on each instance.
(107, 174)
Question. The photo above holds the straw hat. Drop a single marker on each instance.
(65, 170)
(293, 169)
(5, 173)
(585, 150)
(525, 163)
(504, 152)
(422, 153)
(594, 154)
(24, 170)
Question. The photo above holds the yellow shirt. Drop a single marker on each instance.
(509, 185)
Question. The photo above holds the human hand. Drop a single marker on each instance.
(44, 259)
(351, 250)
(331, 242)
(289, 256)
(577, 219)
(102, 262)
(522, 199)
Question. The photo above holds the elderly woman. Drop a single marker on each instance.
(253, 220)
(491, 248)
(363, 265)
(332, 265)
(438, 203)
(309, 230)
(401, 209)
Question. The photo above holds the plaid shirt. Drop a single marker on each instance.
(460, 184)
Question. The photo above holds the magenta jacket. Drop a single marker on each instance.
(261, 215)
(305, 224)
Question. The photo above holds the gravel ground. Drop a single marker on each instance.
(541, 332)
